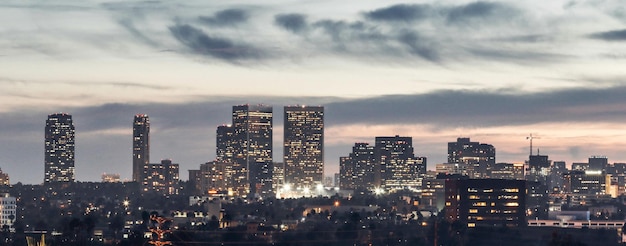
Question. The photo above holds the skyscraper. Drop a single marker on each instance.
(141, 146)
(478, 157)
(397, 166)
(357, 169)
(303, 153)
(162, 178)
(59, 148)
(252, 133)
(230, 159)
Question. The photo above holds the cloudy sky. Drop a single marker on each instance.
(494, 71)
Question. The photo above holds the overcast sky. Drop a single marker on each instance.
(494, 71)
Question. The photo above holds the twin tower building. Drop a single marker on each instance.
(244, 151)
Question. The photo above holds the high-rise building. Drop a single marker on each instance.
(223, 178)
(303, 153)
(507, 171)
(59, 148)
(231, 159)
(478, 157)
(194, 182)
(8, 207)
(397, 166)
(252, 136)
(162, 178)
(598, 163)
(538, 178)
(357, 169)
(556, 176)
(279, 175)
(486, 202)
(141, 145)
(4, 178)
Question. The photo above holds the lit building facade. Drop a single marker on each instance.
(110, 178)
(303, 152)
(220, 177)
(478, 157)
(433, 194)
(556, 176)
(357, 170)
(279, 175)
(507, 171)
(231, 162)
(141, 145)
(252, 134)
(162, 178)
(398, 168)
(486, 202)
(452, 168)
(8, 208)
(59, 148)
(4, 178)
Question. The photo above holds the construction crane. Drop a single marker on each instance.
(531, 143)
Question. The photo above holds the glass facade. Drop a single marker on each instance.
(141, 146)
(59, 148)
(304, 146)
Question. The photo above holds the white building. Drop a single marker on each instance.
(7, 211)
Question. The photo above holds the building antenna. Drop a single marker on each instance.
(531, 143)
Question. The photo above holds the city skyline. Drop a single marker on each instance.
(433, 70)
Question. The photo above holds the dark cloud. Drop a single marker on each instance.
(615, 35)
(465, 14)
(295, 23)
(400, 12)
(483, 108)
(221, 48)
(419, 46)
(228, 17)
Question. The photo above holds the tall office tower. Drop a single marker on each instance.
(538, 177)
(357, 169)
(231, 160)
(279, 175)
(252, 133)
(479, 158)
(141, 145)
(598, 163)
(59, 156)
(556, 176)
(539, 169)
(398, 168)
(303, 153)
(162, 178)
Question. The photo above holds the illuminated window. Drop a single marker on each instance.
(511, 190)
(448, 204)
(471, 225)
(479, 204)
(474, 197)
(473, 211)
(511, 204)
(488, 190)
